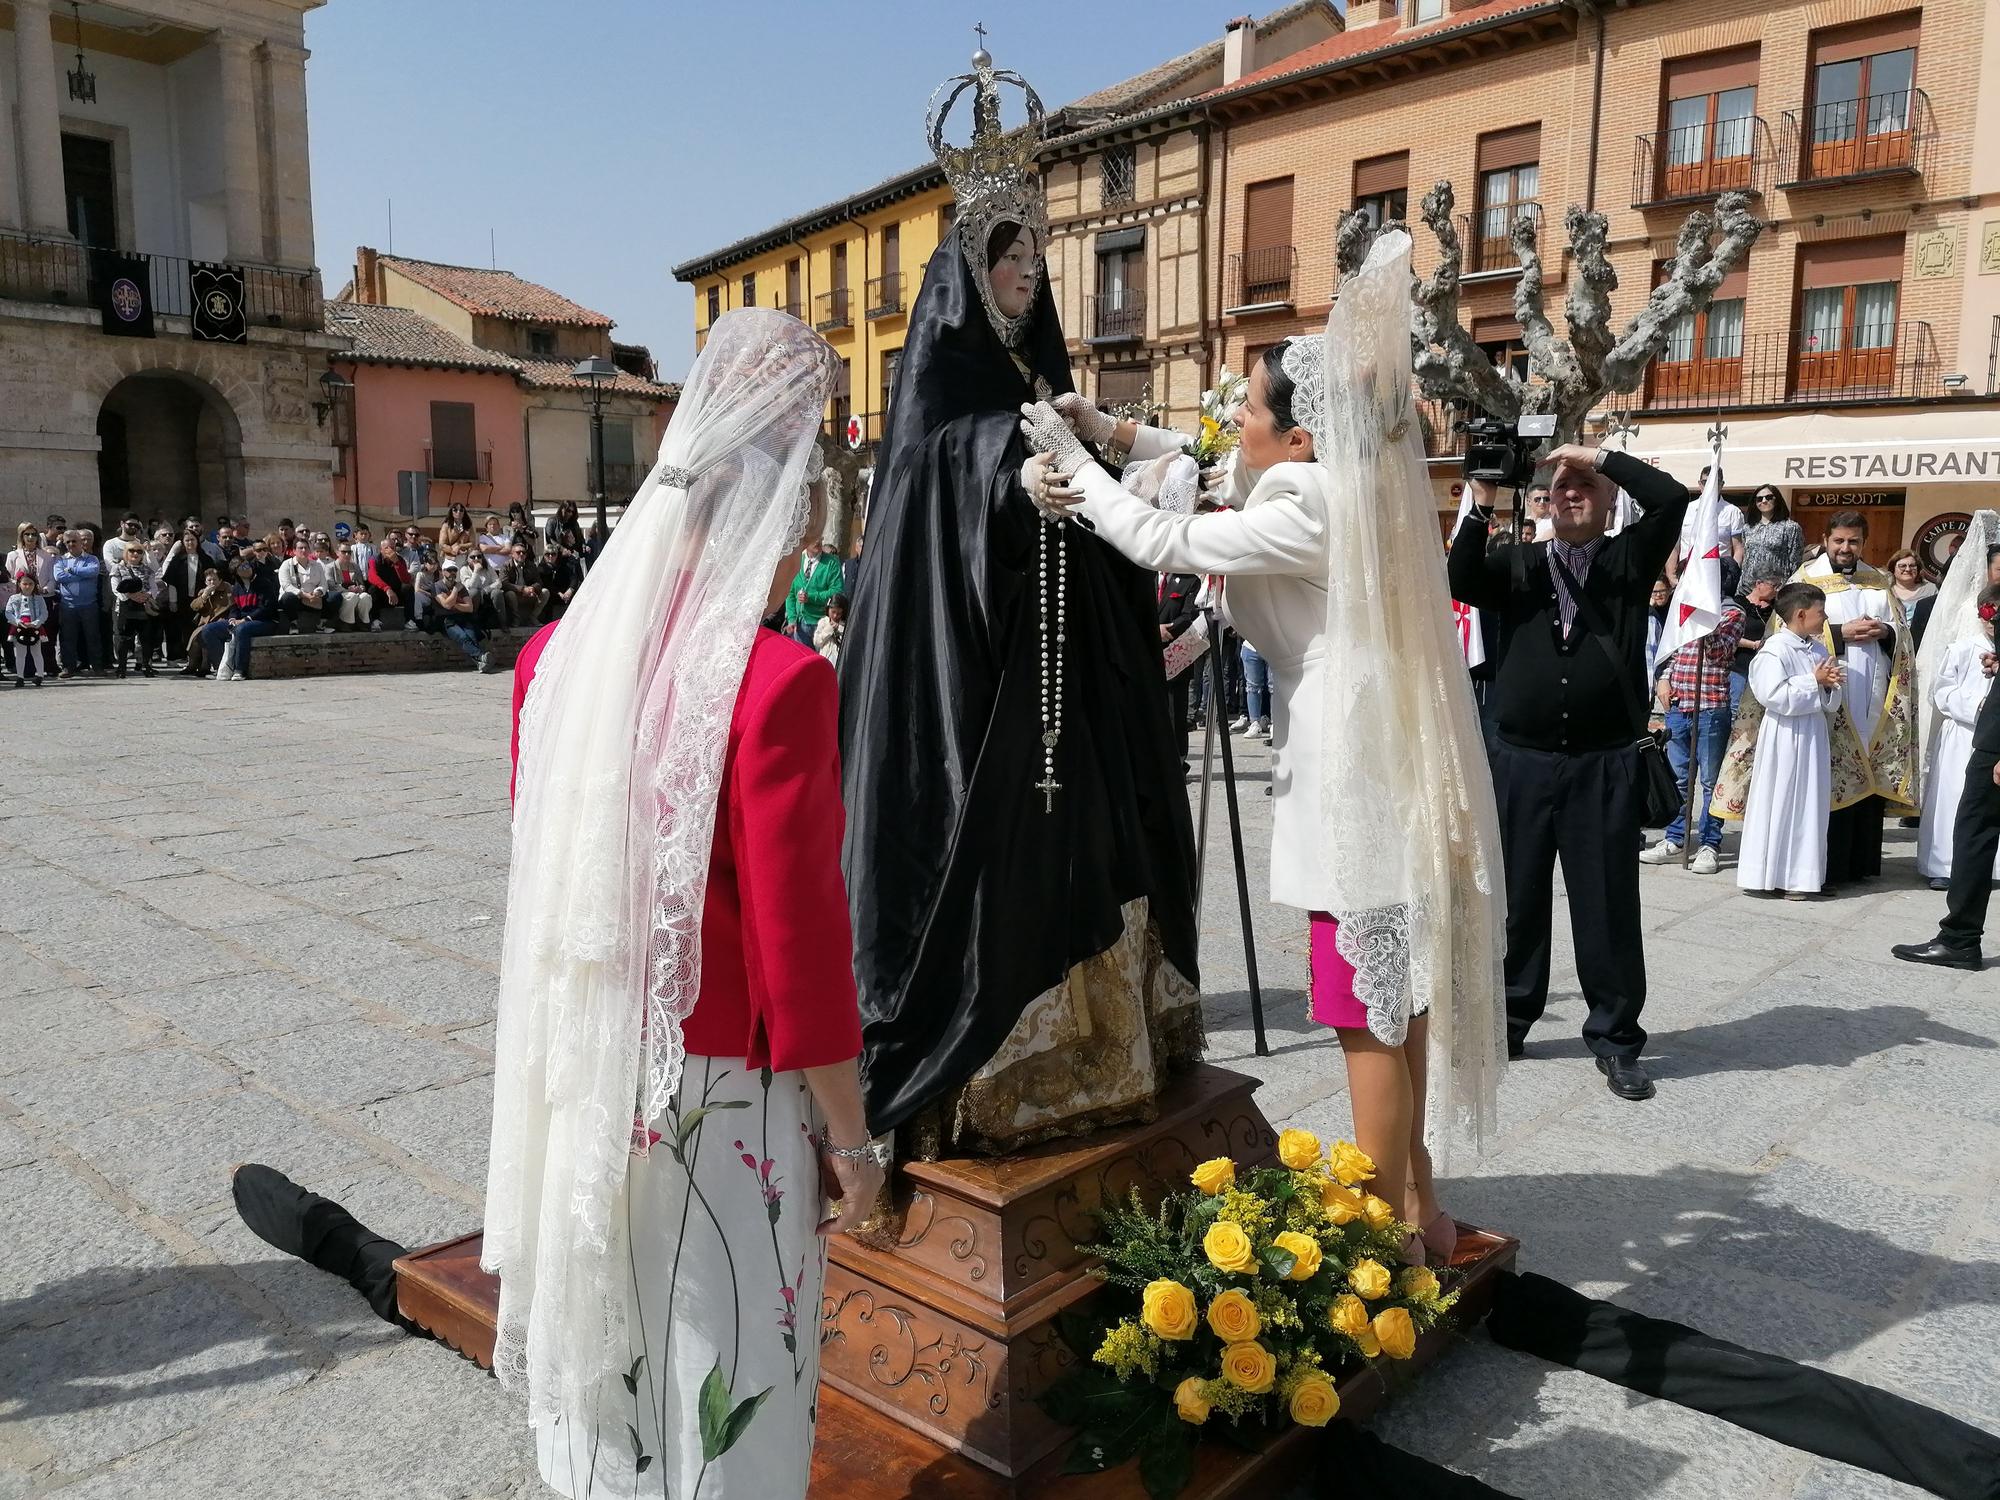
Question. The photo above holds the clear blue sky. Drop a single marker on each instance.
(603, 141)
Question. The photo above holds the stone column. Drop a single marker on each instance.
(42, 200)
(291, 171)
(242, 175)
(10, 183)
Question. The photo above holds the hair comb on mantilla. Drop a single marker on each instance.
(995, 176)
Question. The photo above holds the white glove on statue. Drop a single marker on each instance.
(1092, 425)
(1038, 478)
(1047, 432)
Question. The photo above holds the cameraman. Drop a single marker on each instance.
(1571, 616)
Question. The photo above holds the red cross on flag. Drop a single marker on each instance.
(1471, 639)
(1696, 608)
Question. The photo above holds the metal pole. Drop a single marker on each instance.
(1242, 876)
(1688, 832)
(597, 450)
(1207, 771)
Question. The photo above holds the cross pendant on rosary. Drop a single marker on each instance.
(1048, 786)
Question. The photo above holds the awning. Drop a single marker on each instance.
(1932, 445)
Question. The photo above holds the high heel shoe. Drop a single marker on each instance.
(1413, 1249)
(1441, 1238)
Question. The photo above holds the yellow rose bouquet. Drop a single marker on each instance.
(1239, 1301)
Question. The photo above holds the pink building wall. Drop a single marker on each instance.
(392, 428)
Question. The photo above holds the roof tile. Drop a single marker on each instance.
(1350, 46)
(555, 374)
(497, 294)
(398, 336)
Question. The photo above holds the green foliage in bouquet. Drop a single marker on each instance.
(1219, 434)
(1240, 1298)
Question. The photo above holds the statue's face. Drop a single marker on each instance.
(1015, 276)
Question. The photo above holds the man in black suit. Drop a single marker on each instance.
(1571, 614)
(1975, 837)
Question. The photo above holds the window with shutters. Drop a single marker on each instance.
(1118, 175)
(454, 441)
(1124, 386)
(1426, 10)
(1849, 295)
(1382, 187)
(1119, 311)
(750, 290)
(542, 343)
(885, 292)
(714, 303)
(1499, 339)
(1708, 138)
(1703, 360)
(947, 216)
(891, 360)
(1265, 267)
(1863, 98)
(1510, 177)
(843, 399)
(794, 302)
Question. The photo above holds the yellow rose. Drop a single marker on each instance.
(1396, 1332)
(1213, 1176)
(1348, 1315)
(1314, 1401)
(1298, 1149)
(1167, 1309)
(1228, 1249)
(1418, 1282)
(1377, 1212)
(1305, 1252)
(1369, 1279)
(1342, 1204)
(1189, 1402)
(1350, 1163)
(1249, 1367)
(1234, 1318)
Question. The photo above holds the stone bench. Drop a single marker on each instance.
(390, 649)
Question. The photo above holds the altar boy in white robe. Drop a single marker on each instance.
(1957, 693)
(1798, 683)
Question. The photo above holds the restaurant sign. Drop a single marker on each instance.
(1940, 464)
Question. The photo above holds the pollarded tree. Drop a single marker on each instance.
(1576, 372)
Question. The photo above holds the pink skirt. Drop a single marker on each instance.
(1330, 982)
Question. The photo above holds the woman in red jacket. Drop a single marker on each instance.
(675, 1088)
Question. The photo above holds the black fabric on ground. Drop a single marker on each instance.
(1804, 1408)
(1358, 1463)
(321, 1233)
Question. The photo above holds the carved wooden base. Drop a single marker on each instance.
(951, 1331)
(862, 1455)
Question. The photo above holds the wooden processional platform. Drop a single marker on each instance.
(934, 1350)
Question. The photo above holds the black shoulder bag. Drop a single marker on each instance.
(1657, 786)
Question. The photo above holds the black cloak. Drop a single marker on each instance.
(969, 900)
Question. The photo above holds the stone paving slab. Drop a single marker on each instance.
(240, 938)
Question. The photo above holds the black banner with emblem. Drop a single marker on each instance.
(215, 295)
(122, 287)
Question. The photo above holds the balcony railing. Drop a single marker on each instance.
(1435, 419)
(831, 310)
(35, 269)
(1884, 135)
(1699, 161)
(464, 468)
(871, 427)
(621, 481)
(885, 295)
(1262, 279)
(1489, 245)
(1115, 317)
(1867, 362)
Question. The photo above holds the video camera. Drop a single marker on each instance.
(1502, 452)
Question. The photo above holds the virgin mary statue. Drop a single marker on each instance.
(1019, 854)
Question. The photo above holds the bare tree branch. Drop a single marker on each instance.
(1698, 272)
(1547, 353)
(1351, 242)
(1448, 364)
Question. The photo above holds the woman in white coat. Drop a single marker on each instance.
(1383, 825)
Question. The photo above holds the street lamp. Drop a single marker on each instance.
(596, 370)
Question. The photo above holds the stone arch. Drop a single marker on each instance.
(170, 444)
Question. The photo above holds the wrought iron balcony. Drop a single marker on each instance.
(1115, 317)
(58, 271)
(870, 424)
(885, 295)
(458, 467)
(1261, 280)
(1868, 362)
(1487, 234)
(1697, 162)
(1883, 135)
(621, 481)
(831, 310)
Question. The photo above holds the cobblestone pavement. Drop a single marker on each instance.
(262, 921)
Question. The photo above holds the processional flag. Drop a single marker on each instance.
(1471, 640)
(122, 287)
(1697, 603)
(215, 296)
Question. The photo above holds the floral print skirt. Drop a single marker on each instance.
(722, 1303)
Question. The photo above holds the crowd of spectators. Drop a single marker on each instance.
(197, 598)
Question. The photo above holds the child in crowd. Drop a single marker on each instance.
(1958, 693)
(135, 605)
(832, 628)
(209, 605)
(27, 627)
(1791, 781)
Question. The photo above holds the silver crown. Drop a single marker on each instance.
(995, 175)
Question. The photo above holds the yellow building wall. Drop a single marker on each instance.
(399, 291)
(865, 341)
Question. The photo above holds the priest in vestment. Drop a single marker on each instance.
(1874, 733)
(1019, 851)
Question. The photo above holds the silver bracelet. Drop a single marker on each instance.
(876, 1151)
